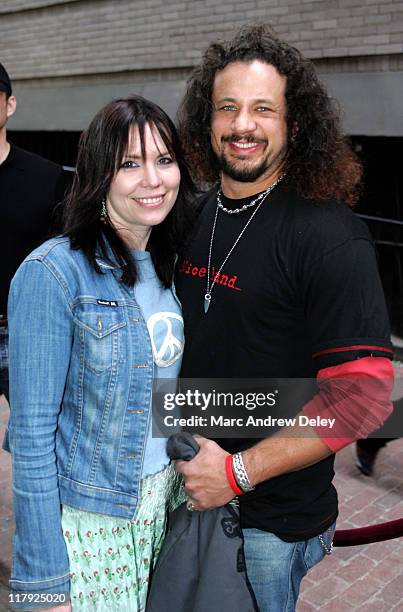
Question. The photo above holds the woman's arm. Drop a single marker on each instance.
(40, 325)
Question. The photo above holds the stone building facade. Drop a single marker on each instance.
(68, 57)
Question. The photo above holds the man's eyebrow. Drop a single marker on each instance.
(263, 100)
(255, 100)
(220, 100)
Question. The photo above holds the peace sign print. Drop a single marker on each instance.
(166, 333)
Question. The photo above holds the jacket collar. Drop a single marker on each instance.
(109, 262)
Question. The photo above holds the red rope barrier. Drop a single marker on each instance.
(370, 534)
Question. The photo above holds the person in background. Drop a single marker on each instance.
(30, 188)
(366, 450)
(279, 281)
(94, 320)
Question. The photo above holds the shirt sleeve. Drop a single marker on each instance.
(354, 400)
(40, 326)
(351, 349)
(345, 306)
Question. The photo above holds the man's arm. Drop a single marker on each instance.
(356, 395)
(289, 449)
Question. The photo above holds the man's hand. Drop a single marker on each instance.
(206, 482)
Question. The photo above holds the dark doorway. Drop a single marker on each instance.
(382, 198)
(60, 147)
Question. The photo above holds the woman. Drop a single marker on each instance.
(93, 320)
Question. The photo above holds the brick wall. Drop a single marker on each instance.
(41, 39)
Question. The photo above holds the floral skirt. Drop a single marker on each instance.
(111, 558)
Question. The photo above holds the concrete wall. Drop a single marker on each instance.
(68, 58)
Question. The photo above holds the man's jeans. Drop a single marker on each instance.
(275, 568)
(4, 361)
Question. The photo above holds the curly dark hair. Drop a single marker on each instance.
(320, 162)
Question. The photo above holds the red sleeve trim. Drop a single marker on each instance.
(371, 367)
(356, 394)
(356, 347)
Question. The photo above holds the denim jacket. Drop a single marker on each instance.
(81, 374)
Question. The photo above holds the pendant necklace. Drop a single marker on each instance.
(261, 198)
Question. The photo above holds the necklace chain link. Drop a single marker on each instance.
(236, 211)
(328, 549)
(261, 197)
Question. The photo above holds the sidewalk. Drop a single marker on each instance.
(6, 520)
(360, 578)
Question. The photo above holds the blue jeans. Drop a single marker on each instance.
(275, 568)
(4, 361)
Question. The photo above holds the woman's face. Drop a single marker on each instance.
(144, 190)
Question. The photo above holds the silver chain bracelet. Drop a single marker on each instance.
(240, 473)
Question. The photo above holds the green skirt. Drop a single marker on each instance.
(111, 559)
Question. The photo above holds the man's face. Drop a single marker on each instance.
(7, 108)
(248, 127)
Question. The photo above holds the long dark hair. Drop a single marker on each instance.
(101, 150)
(320, 162)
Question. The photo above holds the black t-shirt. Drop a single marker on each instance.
(30, 187)
(301, 282)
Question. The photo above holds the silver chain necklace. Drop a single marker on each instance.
(235, 211)
(209, 287)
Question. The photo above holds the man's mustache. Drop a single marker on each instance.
(247, 138)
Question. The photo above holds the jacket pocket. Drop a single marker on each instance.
(100, 330)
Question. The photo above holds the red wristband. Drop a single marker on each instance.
(231, 477)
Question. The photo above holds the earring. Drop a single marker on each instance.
(104, 212)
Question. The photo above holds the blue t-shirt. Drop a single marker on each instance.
(163, 315)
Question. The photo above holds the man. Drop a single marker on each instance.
(30, 187)
(279, 280)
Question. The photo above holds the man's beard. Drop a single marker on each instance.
(247, 173)
(242, 174)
